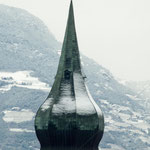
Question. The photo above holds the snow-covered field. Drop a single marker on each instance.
(21, 79)
(18, 115)
(21, 130)
(124, 119)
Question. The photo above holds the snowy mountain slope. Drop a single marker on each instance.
(142, 88)
(29, 57)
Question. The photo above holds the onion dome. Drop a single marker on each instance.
(69, 119)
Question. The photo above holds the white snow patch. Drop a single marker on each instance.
(124, 116)
(123, 82)
(66, 103)
(97, 85)
(21, 130)
(144, 139)
(104, 101)
(83, 102)
(129, 118)
(59, 52)
(135, 131)
(141, 124)
(114, 125)
(99, 92)
(82, 63)
(132, 97)
(40, 55)
(47, 104)
(113, 147)
(117, 108)
(15, 108)
(18, 116)
(21, 79)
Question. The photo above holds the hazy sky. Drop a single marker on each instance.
(116, 33)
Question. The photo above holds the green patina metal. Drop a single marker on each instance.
(69, 119)
(70, 57)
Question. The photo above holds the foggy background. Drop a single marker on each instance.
(114, 33)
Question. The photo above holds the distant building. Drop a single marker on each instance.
(69, 119)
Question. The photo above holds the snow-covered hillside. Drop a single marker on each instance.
(142, 90)
(29, 57)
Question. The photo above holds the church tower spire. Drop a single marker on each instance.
(70, 57)
(69, 119)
